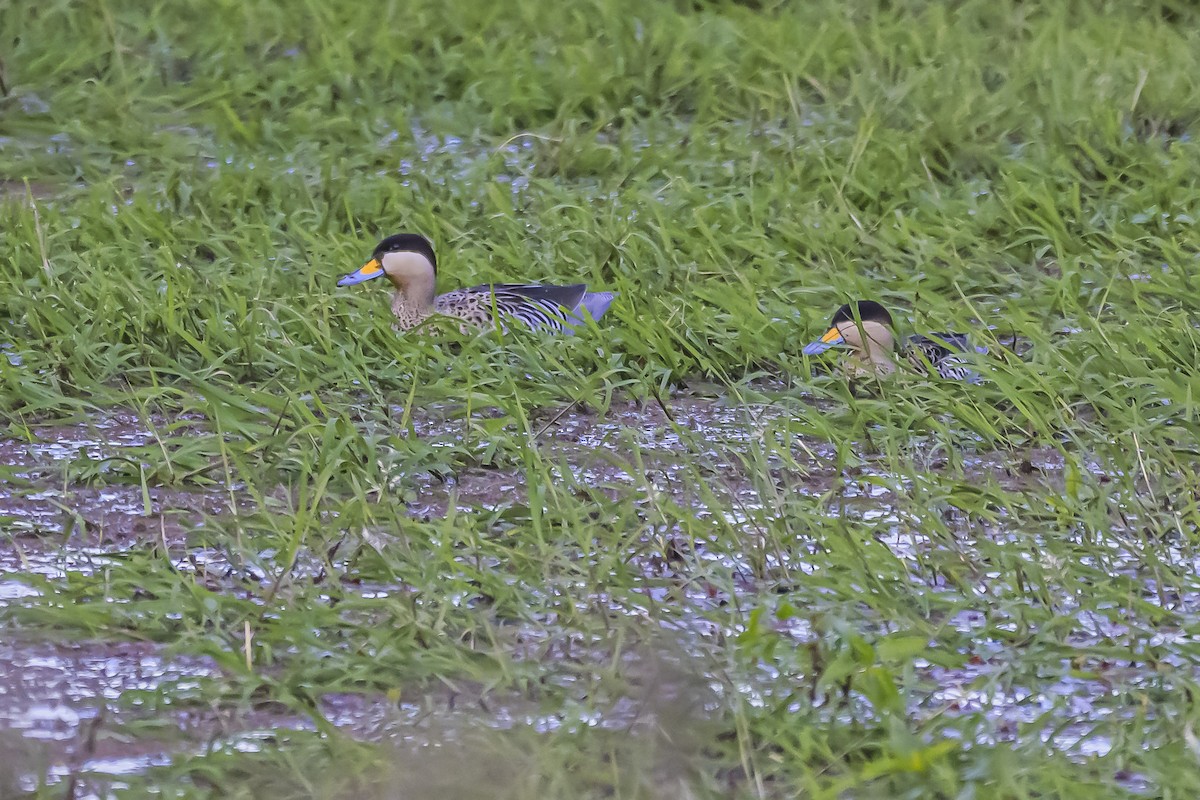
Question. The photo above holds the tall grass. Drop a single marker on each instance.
(670, 556)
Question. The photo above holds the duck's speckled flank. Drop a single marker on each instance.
(538, 307)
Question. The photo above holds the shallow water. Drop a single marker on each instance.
(56, 695)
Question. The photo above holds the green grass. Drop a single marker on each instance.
(788, 588)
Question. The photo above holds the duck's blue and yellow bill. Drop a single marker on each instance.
(371, 269)
(831, 339)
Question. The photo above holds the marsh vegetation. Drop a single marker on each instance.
(255, 541)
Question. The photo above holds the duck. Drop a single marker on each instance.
(408, 261)
(867, 329)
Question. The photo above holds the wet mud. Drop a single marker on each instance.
(60, 698)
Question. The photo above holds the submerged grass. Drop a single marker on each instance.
(668, 557)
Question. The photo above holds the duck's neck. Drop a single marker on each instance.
(415, 282)
(876, 361)
(872, 353)
(409, 314)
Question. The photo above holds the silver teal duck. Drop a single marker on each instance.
(866, 329)
(408, 261)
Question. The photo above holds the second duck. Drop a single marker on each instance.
(867, 330)
(408, 261)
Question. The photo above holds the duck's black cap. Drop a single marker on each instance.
(406, 243)
(868, 311)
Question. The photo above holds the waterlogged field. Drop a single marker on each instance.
(255, 542)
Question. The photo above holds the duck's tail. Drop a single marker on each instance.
(597, 303)
(593, 304)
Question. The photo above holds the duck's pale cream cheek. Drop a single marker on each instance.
(872, 353)
(412, 274)
(407, 265)
(878, 337)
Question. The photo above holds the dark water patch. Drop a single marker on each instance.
(47, 446)
(71, 701)
(106, 515)
(17, 190)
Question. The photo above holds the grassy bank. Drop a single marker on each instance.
(671, 557)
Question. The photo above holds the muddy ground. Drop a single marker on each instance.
(58, 698)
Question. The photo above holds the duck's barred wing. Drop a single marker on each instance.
(940, 345)
(540, 307)
(944, 351)
(947, 352)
